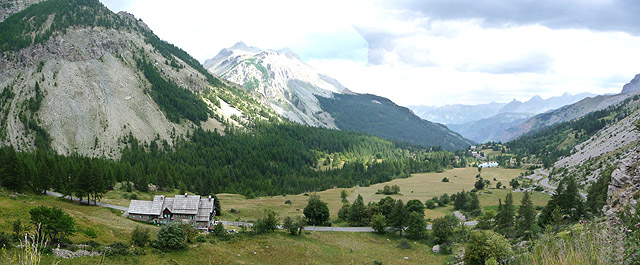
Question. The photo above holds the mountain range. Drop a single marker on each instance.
(488, 122)
(303, 95)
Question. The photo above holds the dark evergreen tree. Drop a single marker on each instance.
(505, 216)
(316, 212)
(415, 206)
(526, 217)
(416, 225)
(398, 218)
(357, 212)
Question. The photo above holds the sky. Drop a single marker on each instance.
(423, 52)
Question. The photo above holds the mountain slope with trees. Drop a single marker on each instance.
(303, 95)
(77, 78)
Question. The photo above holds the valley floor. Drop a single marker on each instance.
(279, 248)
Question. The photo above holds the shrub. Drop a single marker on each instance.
(201, 239)
(378, 223)
(133, 196)
(316, 211)
(140, 236)
(294, 226)
(233, 210)
(118, 249)
(219, 230)
(404, 244)
(287, 202)
(171, 237)
(430, 204)
(91, 233)
(445, 179)
(5, 241)
(266, 224)
(52, 222)
(486, 245)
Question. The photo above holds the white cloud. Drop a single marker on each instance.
(412, 58)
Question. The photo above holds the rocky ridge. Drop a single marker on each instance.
(10, 7)
(290, 85)
(93, 93)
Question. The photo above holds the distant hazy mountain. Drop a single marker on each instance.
(488, 122)
(303, 95)
(573, 111)
(458, 113)
(538, 105)
(490, 129)
(461, 114)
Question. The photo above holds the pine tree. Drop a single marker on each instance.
(378, 223)
(526, 216)
(398, 217)
(460, 201)
(506, 212)
(571, 200)
(416, 226)
(357, 214)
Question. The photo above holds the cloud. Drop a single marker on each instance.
(534, 62)
(599, 15)
(423, 52)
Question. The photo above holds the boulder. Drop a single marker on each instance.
(436, 249)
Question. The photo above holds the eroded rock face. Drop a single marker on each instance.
(10, 7)
(625, 183)
(632, 86)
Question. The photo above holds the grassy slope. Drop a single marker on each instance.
(311, 248)
(280, 248)
(424, 186)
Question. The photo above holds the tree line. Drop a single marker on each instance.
(273, 159)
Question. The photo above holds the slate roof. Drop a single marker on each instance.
(186, 204)
(205, 209)
(140, 207)
(202, 208)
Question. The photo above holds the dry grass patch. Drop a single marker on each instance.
(422, 186)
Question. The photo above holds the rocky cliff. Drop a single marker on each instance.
(10, 7)
(86, 85)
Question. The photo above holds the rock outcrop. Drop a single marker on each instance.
(632, 86)
(624, 188)
(10, 7)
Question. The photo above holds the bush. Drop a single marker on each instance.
(118, 249)
(219, 230)
(430, 204)
(316, 211)
(53, 223)
(5, 241)
(91, 233)
(171, 237)
(233, 210)
(404, 244)
(445, 179)
(486, 245)
(266, 224)
(378, 223)
(287, 202)
(201, 239)
(294, 226)
(140, 236)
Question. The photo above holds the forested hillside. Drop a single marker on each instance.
(380, 116)
(559, 140)
(76, 78)
(273, 159)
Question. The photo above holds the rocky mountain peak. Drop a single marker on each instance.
(131, 18)
(632, 86)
